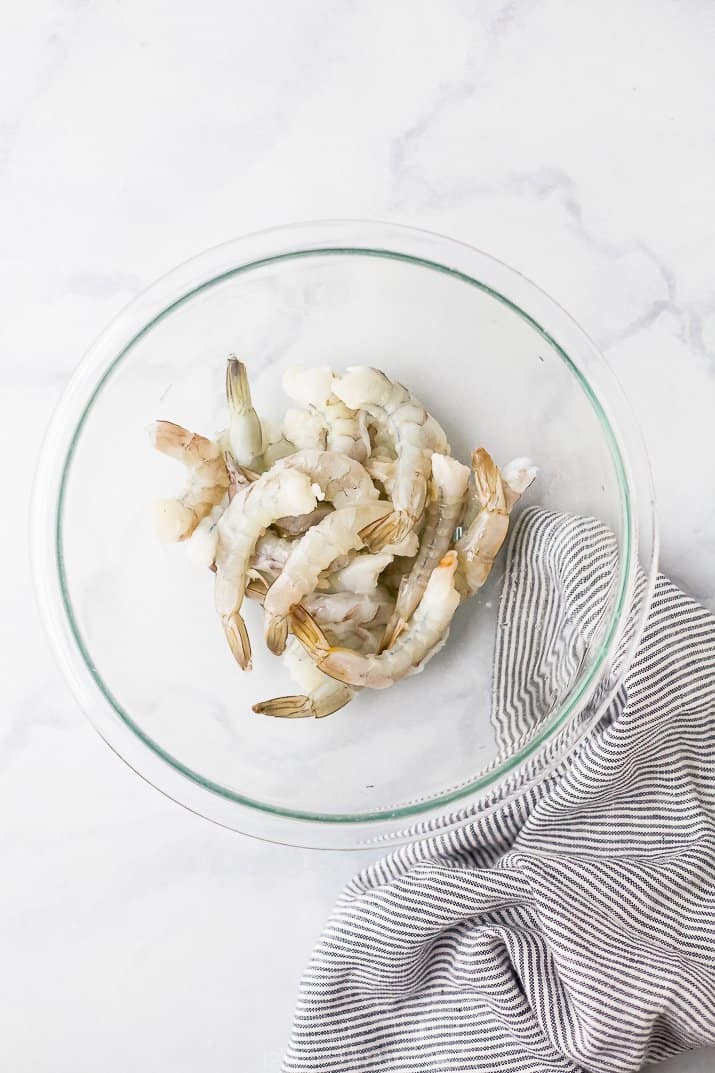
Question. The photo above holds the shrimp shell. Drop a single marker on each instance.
(245, 435)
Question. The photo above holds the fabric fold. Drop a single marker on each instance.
(574, 928)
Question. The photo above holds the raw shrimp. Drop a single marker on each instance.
(413, 647)
(176, 519)
(323, 695)
(480, 544)
(248, 515)
(245, 435)
(335, 536)
(448, 488)
(415, 436)
(345, 429)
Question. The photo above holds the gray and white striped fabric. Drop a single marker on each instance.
(572, 930)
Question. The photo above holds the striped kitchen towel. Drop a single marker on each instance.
(572, 930)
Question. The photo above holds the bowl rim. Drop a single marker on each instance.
(424, 249)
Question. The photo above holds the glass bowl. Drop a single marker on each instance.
(132, 621)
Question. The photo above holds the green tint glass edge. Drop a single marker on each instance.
(408, 810)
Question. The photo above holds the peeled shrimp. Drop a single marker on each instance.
(418, 641)
(323, 695)
(245, 435)
(415, 436)
(480, 544)
(335, 536)
(176, 519)
(448, 488)
(345, 429)
(248, 515)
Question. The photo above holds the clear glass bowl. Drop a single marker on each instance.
(132, 622)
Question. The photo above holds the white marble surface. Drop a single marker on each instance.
(574, 141)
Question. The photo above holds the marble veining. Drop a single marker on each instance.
(133, 136)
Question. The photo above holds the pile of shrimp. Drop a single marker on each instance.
(351, 524)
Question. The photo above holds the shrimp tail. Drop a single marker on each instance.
(309, 633)
(303, 707)
(390, 529)
(238, 391)
(342, 664)
(295, 707)
(238, 640)
(277, 633)
(488, 482)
